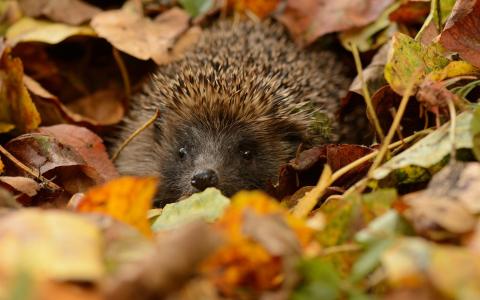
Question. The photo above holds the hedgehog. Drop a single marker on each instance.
(232, 111)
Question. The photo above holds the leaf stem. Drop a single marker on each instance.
(366, 94)
(48, 183)
(453, 124)
(308, 202)
(135, 133)
(123, 71)
(396, 122)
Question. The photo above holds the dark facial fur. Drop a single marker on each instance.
(236, 107)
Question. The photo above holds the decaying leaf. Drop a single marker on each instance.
(16, 107)
(127, 199)
(45, 154)
(308, 20)
(347, 216)
(435, 96)
(87, 144)
(406, 57)
(429, 151)
(207, 205)
(139, 36)
(462, 31)
(73, 12)
(450, 201)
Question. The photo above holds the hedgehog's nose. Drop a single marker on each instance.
(204, 179)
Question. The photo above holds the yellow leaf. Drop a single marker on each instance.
(453, 69)
(31, 30)
(16, 106)
(127, 199)
(51, 244)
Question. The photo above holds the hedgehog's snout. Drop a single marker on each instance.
(204, 179)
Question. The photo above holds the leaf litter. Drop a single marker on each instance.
(405, 226)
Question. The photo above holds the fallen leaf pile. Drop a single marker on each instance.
(397, 218)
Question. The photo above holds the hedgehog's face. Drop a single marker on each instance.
(231, 159)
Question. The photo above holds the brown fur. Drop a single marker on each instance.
(244, 86)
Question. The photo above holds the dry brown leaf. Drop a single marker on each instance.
(87, 144)
(102, 108)
(139, 36)
(25, 185)
(462, 31)
(308, 20)
(73, 12)
(168, 266)
(450, 202)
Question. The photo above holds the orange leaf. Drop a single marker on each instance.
(127, 199)
(261, 8)
(16, 107)
(245, 262)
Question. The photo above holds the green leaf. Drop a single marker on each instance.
(475, 132)
(386, 226)
(321, 281)
(463, 91)
(406, 57)
(429, 151)
(207, 205)
(196, 7)
(369, 260)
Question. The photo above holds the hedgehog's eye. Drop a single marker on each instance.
(247, 154)
(182, 153)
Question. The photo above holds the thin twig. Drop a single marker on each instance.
(340, 248)
(340, 172)
(366, 93)
(308, 202)
(123, 72)
(135, 133)
(453, 124)
(49, 184)
(396, 122)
